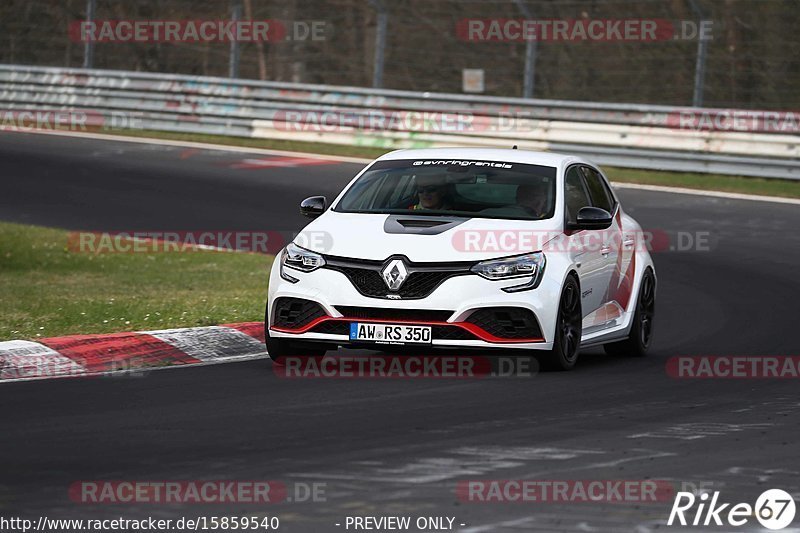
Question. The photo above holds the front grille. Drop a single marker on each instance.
(421, 284)
(422, 280)
(375, 313)
(295, 312)
(507, 322)
(417, 284)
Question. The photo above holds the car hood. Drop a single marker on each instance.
(380, 236)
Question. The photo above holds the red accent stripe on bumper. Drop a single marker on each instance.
(471, 328)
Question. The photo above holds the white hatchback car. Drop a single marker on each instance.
(469, 249)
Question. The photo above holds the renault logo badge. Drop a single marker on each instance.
(394, 274)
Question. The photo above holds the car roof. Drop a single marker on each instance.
(485, 154)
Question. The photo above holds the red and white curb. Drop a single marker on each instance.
(281, 162)
(92, 355)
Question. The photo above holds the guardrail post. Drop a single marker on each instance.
(233, 61)
(529, 77)
(88, 46)
(700, 60)
(530, 69)
(699, 72)
(380, 42)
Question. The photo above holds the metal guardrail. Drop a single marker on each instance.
(624, 135)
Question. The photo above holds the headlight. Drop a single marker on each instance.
(300, 259)
(512, 267)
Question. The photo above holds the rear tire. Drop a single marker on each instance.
(641, 335)
(567, 339)
(279, 348)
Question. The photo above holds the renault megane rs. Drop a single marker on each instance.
(466, 248)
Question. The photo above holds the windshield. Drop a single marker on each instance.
(480, 189)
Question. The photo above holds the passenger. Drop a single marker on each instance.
(531, 202)
(432, 193)
(533, 199)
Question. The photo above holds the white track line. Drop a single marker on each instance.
(243, 149)
(200, 145)
(715, 194)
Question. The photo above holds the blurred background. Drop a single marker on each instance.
(752, 60)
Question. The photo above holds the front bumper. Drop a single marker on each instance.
(454, 304)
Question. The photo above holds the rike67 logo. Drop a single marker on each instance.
(774, 509)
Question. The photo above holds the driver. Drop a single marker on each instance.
(432, 192)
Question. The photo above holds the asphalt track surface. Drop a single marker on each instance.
(399, 447)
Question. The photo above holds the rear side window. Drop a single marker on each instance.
(575, 194)
(601, 196)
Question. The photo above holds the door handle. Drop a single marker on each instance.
(605, 250)
(628, 242)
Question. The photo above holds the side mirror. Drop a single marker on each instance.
(592, 218)
(313, 206)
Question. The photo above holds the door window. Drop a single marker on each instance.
(575, 194)
(601, 196)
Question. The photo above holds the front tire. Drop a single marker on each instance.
(641, 335)
(569, 323)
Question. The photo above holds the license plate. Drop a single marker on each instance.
(390, 333)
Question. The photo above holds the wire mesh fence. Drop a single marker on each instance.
(726, 53)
